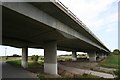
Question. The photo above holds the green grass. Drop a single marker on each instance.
(110, 62)
(17, 61)
(14, 62)
(30, 63)
(44, 76)
(35, 64)
(3, 58)
(0, 58)
(9, 58)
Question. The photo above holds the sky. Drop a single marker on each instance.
(100, 16)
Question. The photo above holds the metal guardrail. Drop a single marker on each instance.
(73, 15)
(76, 19)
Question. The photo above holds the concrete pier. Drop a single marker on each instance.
(25, 57)
(101, 55)
(74, 56)
(50, 57)
(92, 56)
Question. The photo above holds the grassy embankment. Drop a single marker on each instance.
(111, 61)
(17, 62)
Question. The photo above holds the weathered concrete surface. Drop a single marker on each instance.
(30, 16)
(25, 57)
(92, 56)
(74, 56)
(50, 57)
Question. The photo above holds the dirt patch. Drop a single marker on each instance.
(67, 74)
(36, 69)
(81, 65)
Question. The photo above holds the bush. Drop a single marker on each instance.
(15, 62)
(42, 58)
(116, 52)
(35, 58)
(6, 58)
(15, 55)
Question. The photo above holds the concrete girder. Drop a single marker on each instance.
(37, 14)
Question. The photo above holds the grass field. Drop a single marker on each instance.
(17, 58)
(111, 61)
(31, 64)
(9, 58)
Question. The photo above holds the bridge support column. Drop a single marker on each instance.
(101, 55)
(74, 56)
(25, 57)
(92, 56)
(50, 57)
(105, 55)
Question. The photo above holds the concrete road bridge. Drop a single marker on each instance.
(50, 26)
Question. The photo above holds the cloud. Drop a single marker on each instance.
(100, 16)
(90, 12)
(87, 8)
(112, 23)
(110, 29)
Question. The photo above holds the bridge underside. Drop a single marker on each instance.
(19, 30)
